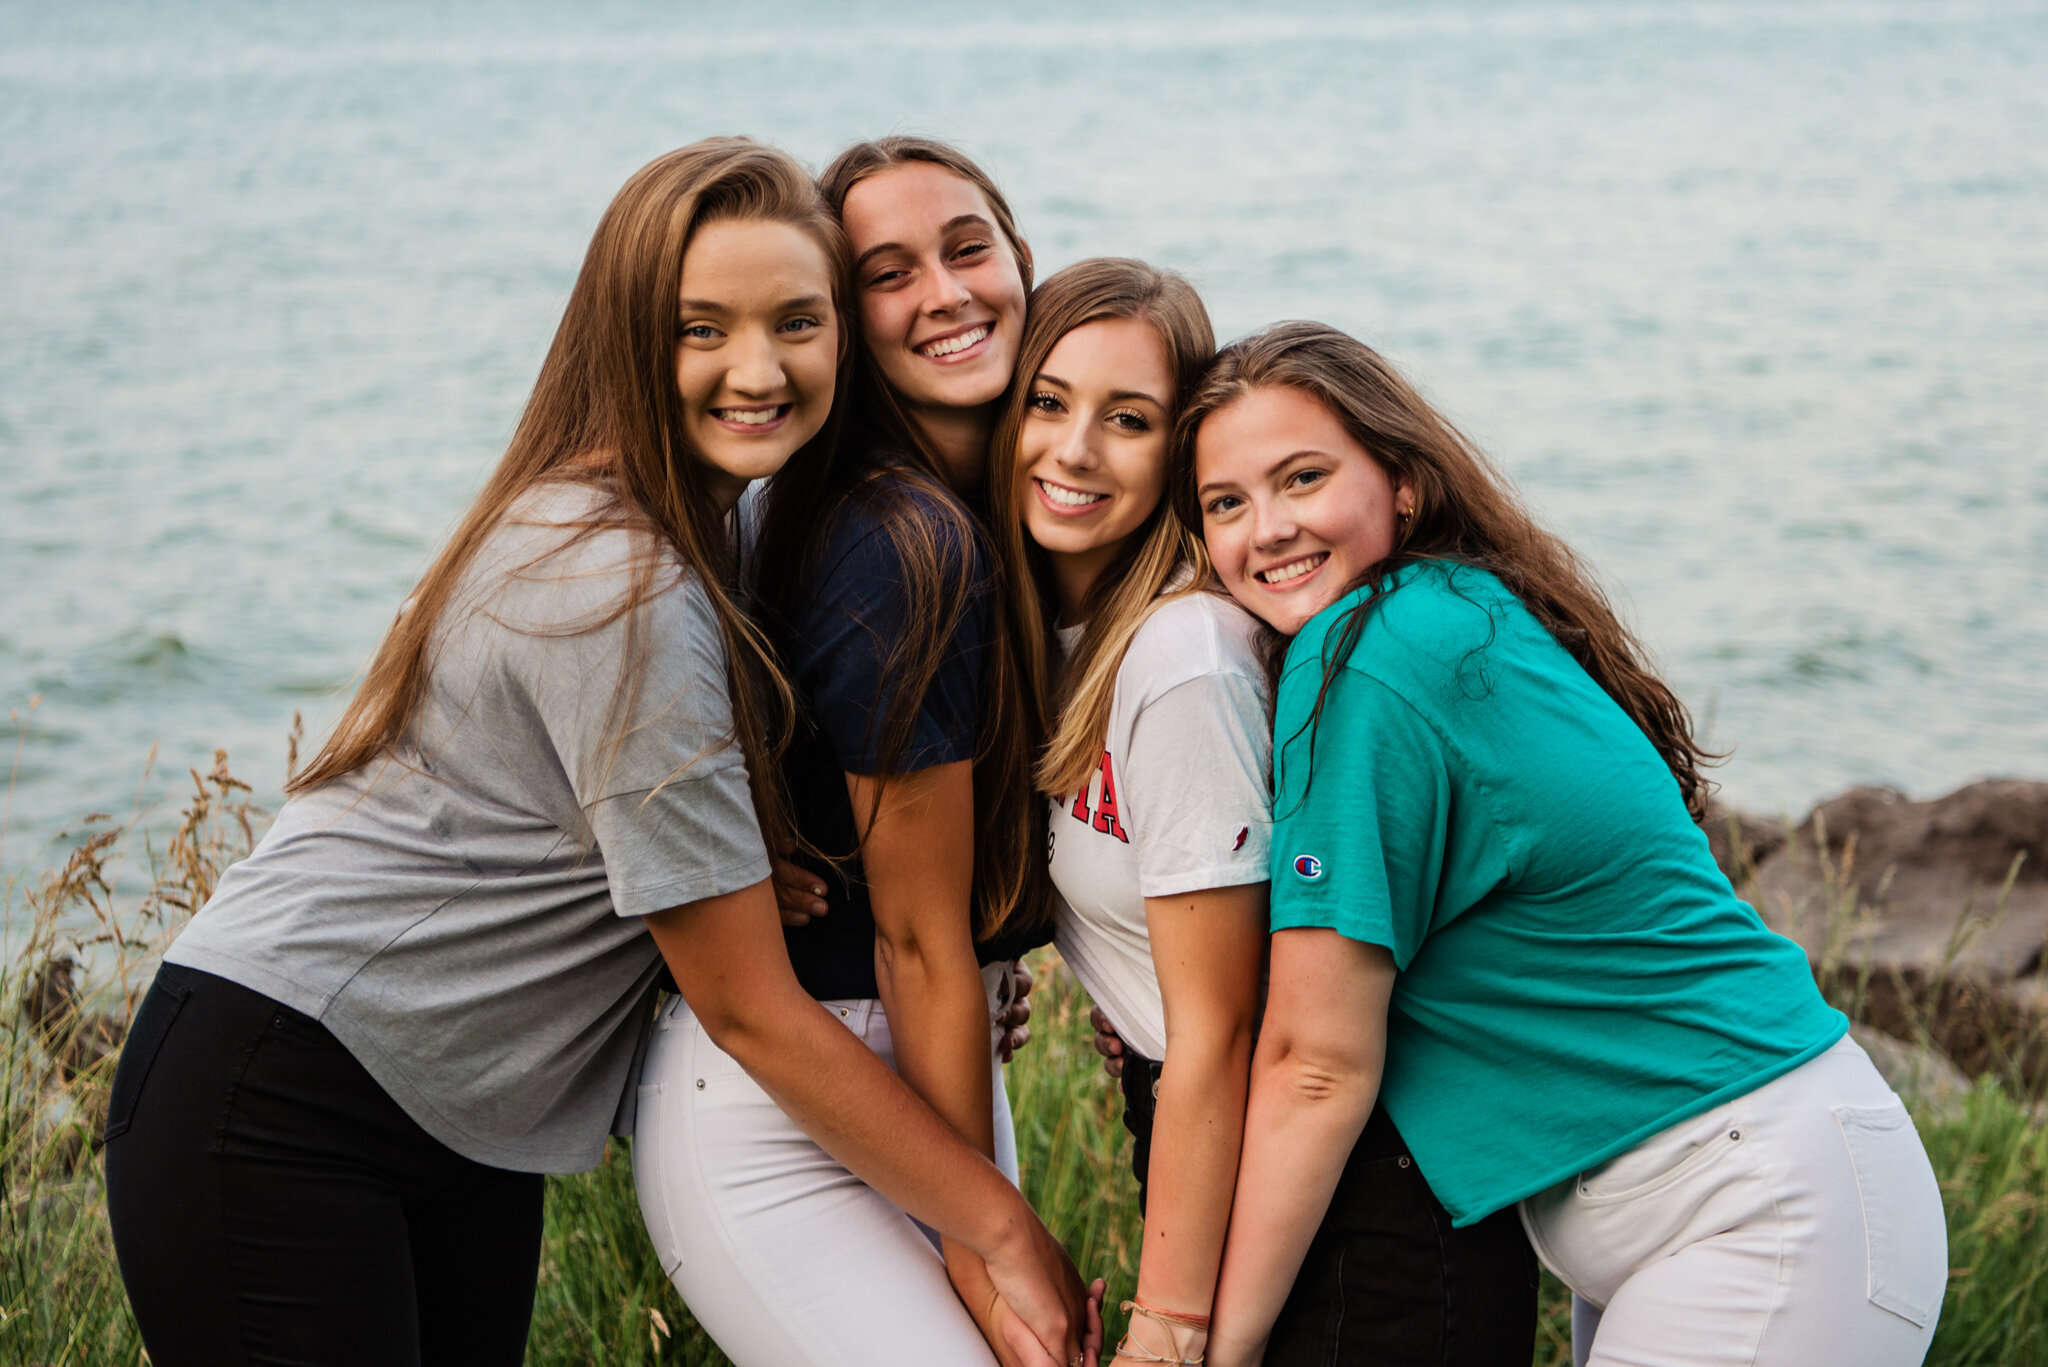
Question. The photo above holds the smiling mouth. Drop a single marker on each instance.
(767, 415)
(1060, 496)
(1279, 576)
(957, 343)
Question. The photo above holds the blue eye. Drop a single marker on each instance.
(700, 332)
(800, 325)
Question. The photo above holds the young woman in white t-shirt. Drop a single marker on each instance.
(1153, 694)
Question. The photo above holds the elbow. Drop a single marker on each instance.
(1328, 1074)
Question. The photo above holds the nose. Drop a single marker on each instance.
(947, 292)
(756, 365)
(1075, 446)
(1272, 525)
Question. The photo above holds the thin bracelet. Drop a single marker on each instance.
(1169, 1321)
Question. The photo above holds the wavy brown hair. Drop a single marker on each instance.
(606, 413)
(1465, 512)
(1077, 704)
(885, 464)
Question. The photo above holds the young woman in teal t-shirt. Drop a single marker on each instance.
(1495, 915)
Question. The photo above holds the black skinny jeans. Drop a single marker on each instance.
(272, 1204)
(1387, 1281)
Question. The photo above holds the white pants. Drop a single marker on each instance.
(785, 1257)
(1797, 1226)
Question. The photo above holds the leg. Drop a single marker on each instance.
(475, 1260)
(251, 1223)
(1388, 1281)
(784, 1257)
(1798, 1224)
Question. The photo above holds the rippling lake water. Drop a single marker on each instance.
(1752, 300)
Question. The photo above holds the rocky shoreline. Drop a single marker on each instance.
(1932, 917)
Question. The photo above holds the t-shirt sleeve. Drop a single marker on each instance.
(849, 634)
(669, 806)
(1195, 786)
(1359, 845)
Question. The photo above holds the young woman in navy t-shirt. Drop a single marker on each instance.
(919, 877)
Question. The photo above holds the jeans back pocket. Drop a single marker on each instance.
(1905, 1234)
(146, 1033)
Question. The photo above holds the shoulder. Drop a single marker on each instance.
(1193, 636)
(1428, 617)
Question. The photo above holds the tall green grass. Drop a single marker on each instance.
(79, 947)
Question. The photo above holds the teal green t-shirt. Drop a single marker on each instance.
(1575, 973)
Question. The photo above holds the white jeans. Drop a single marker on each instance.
(785, 1257)
(1798, 1225)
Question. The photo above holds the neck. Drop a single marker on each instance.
(1074, 575)
(959, 437)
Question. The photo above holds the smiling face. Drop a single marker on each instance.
(757, 350)
(1294, 510)
(1091, 453)
(941, 295)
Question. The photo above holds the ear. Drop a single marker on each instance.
(1404, 495)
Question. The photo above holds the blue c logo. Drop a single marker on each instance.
(1308, 866)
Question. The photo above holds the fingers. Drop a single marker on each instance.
(1108, 1043)
(1019, 1345)
(1091, 1337)
(1013, 1040)
(799, 893)
(1021, 979)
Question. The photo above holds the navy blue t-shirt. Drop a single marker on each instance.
(853, 611)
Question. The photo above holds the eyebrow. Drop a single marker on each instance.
(1044, 378)
(802, 301)
(957, 221)
(1275, 467)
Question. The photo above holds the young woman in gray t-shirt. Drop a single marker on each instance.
(426, 986)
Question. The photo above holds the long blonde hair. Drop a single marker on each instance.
(1156, 559)
(606, 413)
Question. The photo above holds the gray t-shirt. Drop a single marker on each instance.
(463, 916)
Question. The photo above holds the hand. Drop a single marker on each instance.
(799, 893)
(1036, 1280)
(1008, 1336)
(1014, 1012)
(1108, 1042)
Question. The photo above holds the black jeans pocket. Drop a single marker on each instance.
(146, 1035)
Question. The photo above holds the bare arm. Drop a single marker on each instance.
(917, 851)
(1314, 1080)
(728, 958)
(1207, 948)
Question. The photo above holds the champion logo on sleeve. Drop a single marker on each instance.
(1308, 867)
(1243, 834)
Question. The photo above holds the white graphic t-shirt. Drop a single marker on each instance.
(1180, 802)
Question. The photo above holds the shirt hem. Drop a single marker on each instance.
(338, 1022)
(1463, 1216)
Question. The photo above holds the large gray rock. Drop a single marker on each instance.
(1932, 915)
(1918, 884)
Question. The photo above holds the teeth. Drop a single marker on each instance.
(1292, 570)
(960, 343)
(1069, 498)
(752, 417)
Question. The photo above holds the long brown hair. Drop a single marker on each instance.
(606, 413)
(1465, 511)
(885, 465)
(1136, 582)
